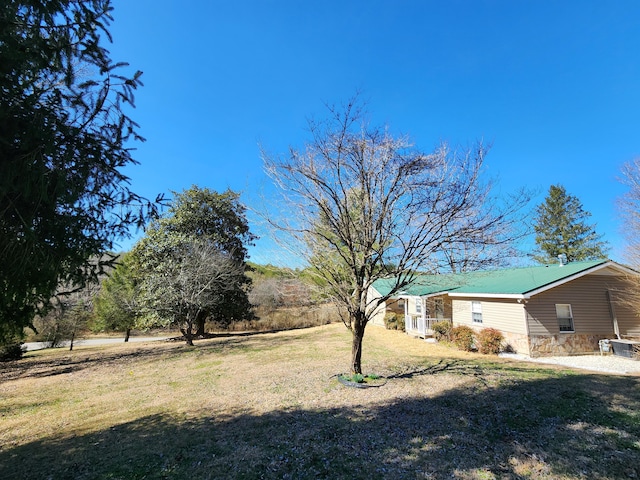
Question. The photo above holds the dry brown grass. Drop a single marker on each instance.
(286, 318)
(269, 406)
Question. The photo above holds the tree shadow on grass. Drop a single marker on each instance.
(567, 426)
(39, 366)
(444, 365)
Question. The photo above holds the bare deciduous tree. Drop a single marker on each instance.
(364, 204)
(194, 278)
(493, 247)
(271, 293)
(629, 206)
(67, 316)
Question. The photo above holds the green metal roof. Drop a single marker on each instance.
(512, 281)
(421, 285)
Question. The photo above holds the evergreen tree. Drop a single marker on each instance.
(116, 305)
(64, 141)
(200, 225)
(561, 228)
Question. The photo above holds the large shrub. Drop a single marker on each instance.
(442, 330)
(462, 337)
(489, 341)
(11, 351)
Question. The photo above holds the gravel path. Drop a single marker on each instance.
(596, 363)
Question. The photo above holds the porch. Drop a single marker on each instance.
(420, 326)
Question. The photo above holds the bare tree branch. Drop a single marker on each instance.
(363, 205)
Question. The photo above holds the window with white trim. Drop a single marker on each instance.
(476, 312)
(565, 317)
(418, 305)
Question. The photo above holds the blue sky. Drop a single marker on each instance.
(554, 86)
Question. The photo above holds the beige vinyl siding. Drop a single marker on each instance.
(448, 307)
(589, 305)
(412, 305)
(628, 319)
(393, 305)
(461, 310)
(379, 312)
(506, 315)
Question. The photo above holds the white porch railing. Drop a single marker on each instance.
(419, 325)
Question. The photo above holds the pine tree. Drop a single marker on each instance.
(65, 140)
(561, 228)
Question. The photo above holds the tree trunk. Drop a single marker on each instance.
(200, 320)
(127, 333)
(188, 335)
(356, 347)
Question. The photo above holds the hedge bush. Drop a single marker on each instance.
(390, 321)
(394, 321)
(11, 351)
(462, 337)
(442, 330)
(489, 341)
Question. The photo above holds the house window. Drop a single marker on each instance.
(439, 308)
(418, 305)
(476, 312)
(565, 317)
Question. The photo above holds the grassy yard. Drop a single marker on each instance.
(270, 406)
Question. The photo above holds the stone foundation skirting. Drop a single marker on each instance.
(553, 345)
(564, 344)
(516, 342)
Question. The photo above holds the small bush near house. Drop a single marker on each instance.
(489, 341)
(392, 321)
(462, 337)
(442, 330)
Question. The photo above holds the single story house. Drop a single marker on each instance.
(560, 309)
